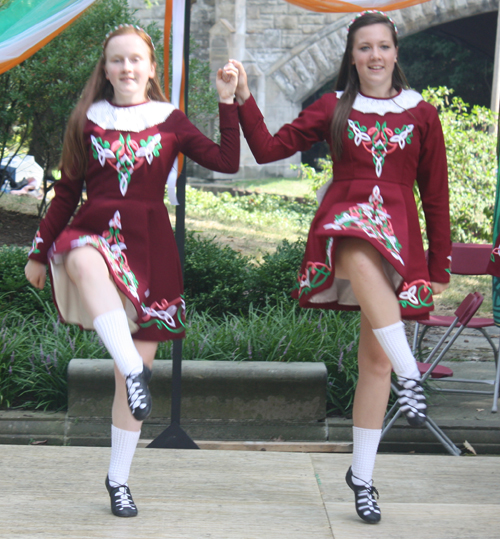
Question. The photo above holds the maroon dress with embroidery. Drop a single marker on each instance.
(130, 153)
(388, 145)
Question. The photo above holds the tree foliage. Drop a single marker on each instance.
(472, 165)
(431, 60)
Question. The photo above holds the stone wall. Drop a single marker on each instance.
(289, 53)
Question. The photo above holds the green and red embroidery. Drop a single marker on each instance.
(112, 244)
(315, 273)
(380, 140)
(36, 240)
(125, 155)
(495, 252)
(373, 220)
(417, 294)
(165, 315)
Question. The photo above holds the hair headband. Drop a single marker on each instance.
(372, 11)
(108, 35)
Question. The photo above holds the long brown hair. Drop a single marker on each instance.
(348, 79)
(98, 87)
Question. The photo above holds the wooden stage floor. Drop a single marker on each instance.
(59, 493)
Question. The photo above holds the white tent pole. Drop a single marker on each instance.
(495, 90)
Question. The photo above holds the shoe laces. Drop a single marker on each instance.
(411, 395)
(135, 392)
(366, 487)
(124, 498)
(365, 497)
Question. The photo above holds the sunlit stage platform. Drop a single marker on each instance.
(59, 493)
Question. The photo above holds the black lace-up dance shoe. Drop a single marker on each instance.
(139, 397)
(366, 506)
(411, 400)
(122, 504)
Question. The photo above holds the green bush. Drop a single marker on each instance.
(214, 276)
(272, 280)
(222, 281)
(16, 294)
(34, 359)
(471, 152)
(36, 352)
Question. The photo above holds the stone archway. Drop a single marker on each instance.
(308, 67)
(289, 53)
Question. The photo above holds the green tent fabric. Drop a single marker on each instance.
(496, 231)
(27, 25)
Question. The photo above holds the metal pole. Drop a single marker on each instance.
(495, 90)
(174, 436)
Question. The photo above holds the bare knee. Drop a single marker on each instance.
(375, 364)
(85, 264)
(357, 255)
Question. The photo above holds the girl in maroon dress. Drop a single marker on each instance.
(116, 268)
(364, 249)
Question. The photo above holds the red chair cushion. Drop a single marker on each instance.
(440, 371)
(446, 321)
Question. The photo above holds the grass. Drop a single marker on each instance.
(21, 204)
(292, 187)
(252, 225)
(460, 286)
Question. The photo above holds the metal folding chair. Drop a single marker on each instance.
(430, 368)
(466, 259)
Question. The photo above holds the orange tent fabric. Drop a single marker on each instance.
(337, 6)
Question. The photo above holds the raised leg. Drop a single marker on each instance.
(359, 262)
(87, 269)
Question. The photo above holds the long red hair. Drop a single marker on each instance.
(74, 155)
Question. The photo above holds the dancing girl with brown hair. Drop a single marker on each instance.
(115, 268)
(364, 249)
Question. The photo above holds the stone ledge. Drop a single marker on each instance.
(18, 427)
(211, 390)
(21, 427)
(485, 438)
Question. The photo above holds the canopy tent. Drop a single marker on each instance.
(339, 6)
(27, 25)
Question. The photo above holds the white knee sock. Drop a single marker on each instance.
(113, 329)
(123, 444)
(395, 344)
(364, 451)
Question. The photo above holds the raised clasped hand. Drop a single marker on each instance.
(242, 92)
(226, 82)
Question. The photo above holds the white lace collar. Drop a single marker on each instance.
(136, 118)
(407, 99)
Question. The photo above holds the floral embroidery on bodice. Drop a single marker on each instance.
(125, 155)
(379, 140)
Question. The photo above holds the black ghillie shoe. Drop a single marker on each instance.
(366, 506)
(122, 504)
(411, 400)
(139, 397)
